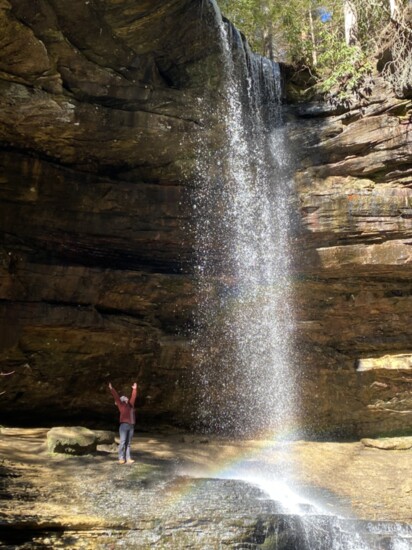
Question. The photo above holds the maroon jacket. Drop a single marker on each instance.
(127, 413)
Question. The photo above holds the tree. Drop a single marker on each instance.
(395, 8)
(336, 39)
(276, 29)
(396, 60)
(313, 39)
(351, 23)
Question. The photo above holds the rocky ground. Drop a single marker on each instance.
(185, 491)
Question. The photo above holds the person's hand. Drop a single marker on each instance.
(110, 386)
(134, 386)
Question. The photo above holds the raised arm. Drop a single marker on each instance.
(134, 393)
(114, 393)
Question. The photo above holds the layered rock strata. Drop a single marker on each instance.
(100, 111)
(354, 261)
(102, 107)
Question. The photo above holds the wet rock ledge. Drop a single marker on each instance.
(170, 498)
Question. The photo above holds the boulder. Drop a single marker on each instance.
(74, 440)
(104, 437)
(389, 443)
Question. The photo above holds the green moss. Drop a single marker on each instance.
(141, 471)
(271, 543)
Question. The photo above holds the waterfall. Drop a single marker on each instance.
(243, 340)
(243, 344)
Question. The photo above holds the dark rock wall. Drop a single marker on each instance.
(100, 115)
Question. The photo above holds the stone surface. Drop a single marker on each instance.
(104, 437)
(102, 107)
(99, 113)
(389, 443)
(170, 498)
(353, 262)
(74, 440)
(394, 362)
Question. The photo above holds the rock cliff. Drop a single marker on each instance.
(353, 261)
(100, 113)
(99, 106)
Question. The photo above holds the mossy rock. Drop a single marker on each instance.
(74, 440)
(104, 437)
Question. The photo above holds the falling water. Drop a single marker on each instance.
(244, 336)
(245, 317)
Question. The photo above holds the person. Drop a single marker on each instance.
(127, 422)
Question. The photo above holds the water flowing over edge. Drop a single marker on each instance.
(245, 370)
(245, 320)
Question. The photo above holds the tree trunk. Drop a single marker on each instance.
(268, 42)
(312, 36)
(268, 49)
(351, 23)
(395, 8)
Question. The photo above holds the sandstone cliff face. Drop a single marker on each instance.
(100, 113)
(354, 261)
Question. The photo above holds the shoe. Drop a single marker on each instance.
(121, 461)
(130, 461)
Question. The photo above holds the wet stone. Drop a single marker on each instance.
(92, 502)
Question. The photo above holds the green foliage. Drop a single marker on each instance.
(345, 70)
(263, 21)
(341, 69)
(311, 33)
(251, 17)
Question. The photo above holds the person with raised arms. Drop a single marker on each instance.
(127, 422)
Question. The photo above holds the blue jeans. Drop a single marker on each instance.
(126, 433)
